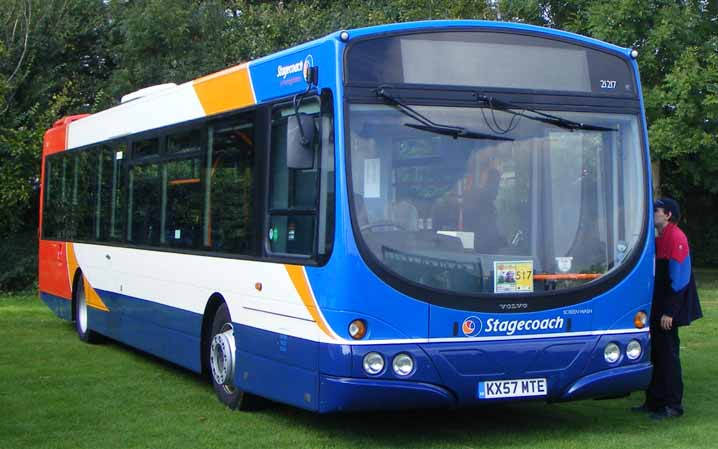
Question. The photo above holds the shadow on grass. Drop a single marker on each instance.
(530, 420)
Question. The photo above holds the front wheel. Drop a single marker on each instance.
(222, 362)
(81, 315)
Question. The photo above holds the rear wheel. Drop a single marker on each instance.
(222, 362)
(81, 315)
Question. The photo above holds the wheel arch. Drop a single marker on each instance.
(213, 303)
(73, 291)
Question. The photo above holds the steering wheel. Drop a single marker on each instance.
(381, 224)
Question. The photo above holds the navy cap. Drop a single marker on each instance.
(668, 205)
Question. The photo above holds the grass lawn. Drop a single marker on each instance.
(57, 392)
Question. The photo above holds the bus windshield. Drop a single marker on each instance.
(546, 209)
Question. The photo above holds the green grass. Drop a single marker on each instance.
(57, 392)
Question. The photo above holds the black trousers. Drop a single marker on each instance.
(666, 387)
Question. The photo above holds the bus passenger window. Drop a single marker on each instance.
(231, 224)
(145, 204)
(184, 203)
(52, 205)
(111, 211)
(84, 201)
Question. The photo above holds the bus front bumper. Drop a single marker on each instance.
(344, 394)
(613, 382)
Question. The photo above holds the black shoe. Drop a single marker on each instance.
(643, 408)
(666, 412)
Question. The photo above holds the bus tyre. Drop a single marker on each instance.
(81, 315)
(222, 362)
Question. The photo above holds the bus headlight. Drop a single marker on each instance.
(403, 365)
(633, 350)
(611, 353)
(373, 363)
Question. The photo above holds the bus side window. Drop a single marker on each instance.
(293, 192)
(144, 219)
(52, 204)
(84, 200)
(111, 193)
(230, 220)
(183, 189)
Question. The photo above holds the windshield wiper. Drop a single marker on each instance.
(543, 117)
(427, 124)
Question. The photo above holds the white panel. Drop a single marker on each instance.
(164, 108)
(186, 282)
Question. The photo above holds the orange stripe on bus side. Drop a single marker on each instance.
(296, 274)
(72, 264)
(225, 90)
(91, 296)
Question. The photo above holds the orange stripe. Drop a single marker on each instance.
(92, 298)
(225, 90)
(567, 276)
(183, 181)
(296, 274)
(72, 264)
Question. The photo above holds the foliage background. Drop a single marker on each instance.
(63, 57)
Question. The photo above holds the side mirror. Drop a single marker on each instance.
(301, 133)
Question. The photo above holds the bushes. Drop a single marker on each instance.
(18, 261)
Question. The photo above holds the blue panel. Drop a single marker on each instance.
(335, 360)
(281, 348)
(60, 306)
(282, 75)
(346, 394)
(160, 315)
(276, 380)
(167, 332)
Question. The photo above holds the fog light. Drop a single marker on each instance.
(611, 353)
(633, 350)
(357, 329)
(403, 365)
(373, 363)
(640, 320)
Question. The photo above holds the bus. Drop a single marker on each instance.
(427, 214)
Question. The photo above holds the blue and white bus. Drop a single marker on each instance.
(430, 214)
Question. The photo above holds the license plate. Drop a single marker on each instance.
(517, 388)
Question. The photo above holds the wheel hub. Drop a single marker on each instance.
(222, 357)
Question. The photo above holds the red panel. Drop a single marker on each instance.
(53, 275)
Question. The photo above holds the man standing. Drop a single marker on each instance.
(675, 303)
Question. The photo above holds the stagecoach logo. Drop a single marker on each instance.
(298, 67)
(471, 326)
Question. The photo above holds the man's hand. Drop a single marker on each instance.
(666, 322)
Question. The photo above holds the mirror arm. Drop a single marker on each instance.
(312, 77)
